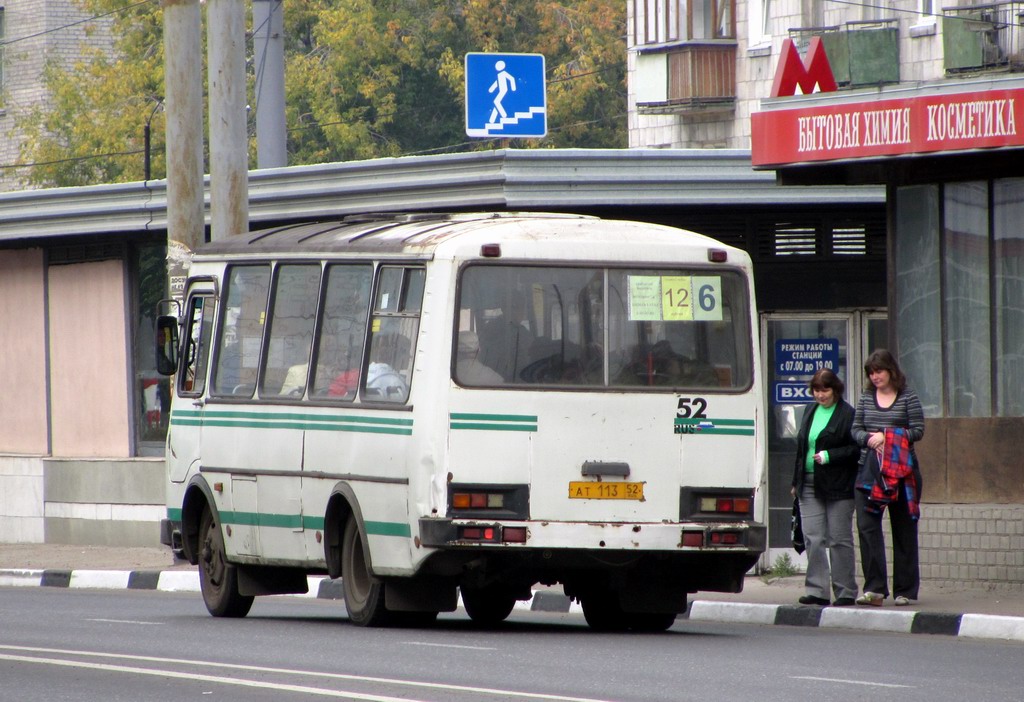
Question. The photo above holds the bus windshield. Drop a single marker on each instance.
(621, 328)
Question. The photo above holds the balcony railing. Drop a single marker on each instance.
(983, 37)
(699, 77)
(861, 53)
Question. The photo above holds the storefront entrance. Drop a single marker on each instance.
(794, 346)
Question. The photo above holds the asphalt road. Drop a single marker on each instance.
(144, 645)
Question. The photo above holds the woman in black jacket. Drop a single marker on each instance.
(823, 478)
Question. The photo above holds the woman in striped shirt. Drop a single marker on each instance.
(887, 402)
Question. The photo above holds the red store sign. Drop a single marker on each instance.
(914, 125)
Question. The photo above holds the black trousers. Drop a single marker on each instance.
(906, 572)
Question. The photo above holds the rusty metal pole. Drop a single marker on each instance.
(229, 144)
(183, 102)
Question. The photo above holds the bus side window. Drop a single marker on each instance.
(342, 331)
(290, 334)
(394, 329)
(192, 380)
(241, 331)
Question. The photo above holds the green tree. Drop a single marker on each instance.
(100, 106)
(364, 79)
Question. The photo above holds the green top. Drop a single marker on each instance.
(818, 423)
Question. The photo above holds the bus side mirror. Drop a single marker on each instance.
(166, 345)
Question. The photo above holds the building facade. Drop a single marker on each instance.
(927, 103)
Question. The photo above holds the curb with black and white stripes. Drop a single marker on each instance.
(975, 626)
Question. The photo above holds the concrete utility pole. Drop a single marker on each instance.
(184, 107)
(268, 45)
(229, 155)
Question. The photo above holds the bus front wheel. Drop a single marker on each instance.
(218, 579)
(364, 594)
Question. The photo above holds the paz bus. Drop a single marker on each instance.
(435, 407)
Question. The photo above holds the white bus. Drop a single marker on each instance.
(428, 405)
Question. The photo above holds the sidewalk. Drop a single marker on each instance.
(995, 614)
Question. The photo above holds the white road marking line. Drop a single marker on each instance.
(441, 645)
(302, 673)
(849, 682)
(343, 694)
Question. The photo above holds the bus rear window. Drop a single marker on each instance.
(603, 328)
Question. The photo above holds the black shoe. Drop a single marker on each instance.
(811, 600)
(844, 602)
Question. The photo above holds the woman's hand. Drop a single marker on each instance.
(876, 441)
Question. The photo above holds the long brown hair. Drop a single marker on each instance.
(882, 359)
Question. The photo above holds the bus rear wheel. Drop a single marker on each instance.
(364, 594)
(603, 612)
(218, 579)
(488, 606)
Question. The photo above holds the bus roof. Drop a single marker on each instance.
(425, 235)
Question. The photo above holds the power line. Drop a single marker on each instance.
(71, 159)
(8, 42)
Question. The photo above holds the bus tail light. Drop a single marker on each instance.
(716, 504)
(492, 534)
(483, 534)
(725, 505)
(693, 538)
(513, 535)
(466, 501)
(478, 500)
(725, 538)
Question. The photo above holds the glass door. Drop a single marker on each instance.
(795, 346)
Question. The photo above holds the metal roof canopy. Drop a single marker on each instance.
(536, 179)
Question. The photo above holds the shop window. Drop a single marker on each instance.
(1008, 213)
(917, 312)
(151, 390)
(960, 296)
(965, 284)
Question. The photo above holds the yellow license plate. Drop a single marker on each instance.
(589, 490)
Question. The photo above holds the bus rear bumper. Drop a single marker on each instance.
(696, 537)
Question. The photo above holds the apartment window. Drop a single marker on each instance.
(667, 21)
(758, 18)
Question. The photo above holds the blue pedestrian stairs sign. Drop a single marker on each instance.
(506, 95)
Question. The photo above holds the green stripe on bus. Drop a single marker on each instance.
(717, 427)
(293, 417)
(716, 422)
(494, 427)
(174, 514)
(262, 519)
(301, 422)
(492, 422)
(309, 522)
(295, 521)
(387, 529)
(495, 417)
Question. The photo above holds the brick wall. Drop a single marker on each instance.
(36, 31)
(976, 545)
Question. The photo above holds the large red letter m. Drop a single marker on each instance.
(792, 72)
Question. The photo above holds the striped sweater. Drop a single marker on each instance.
(905, 412)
